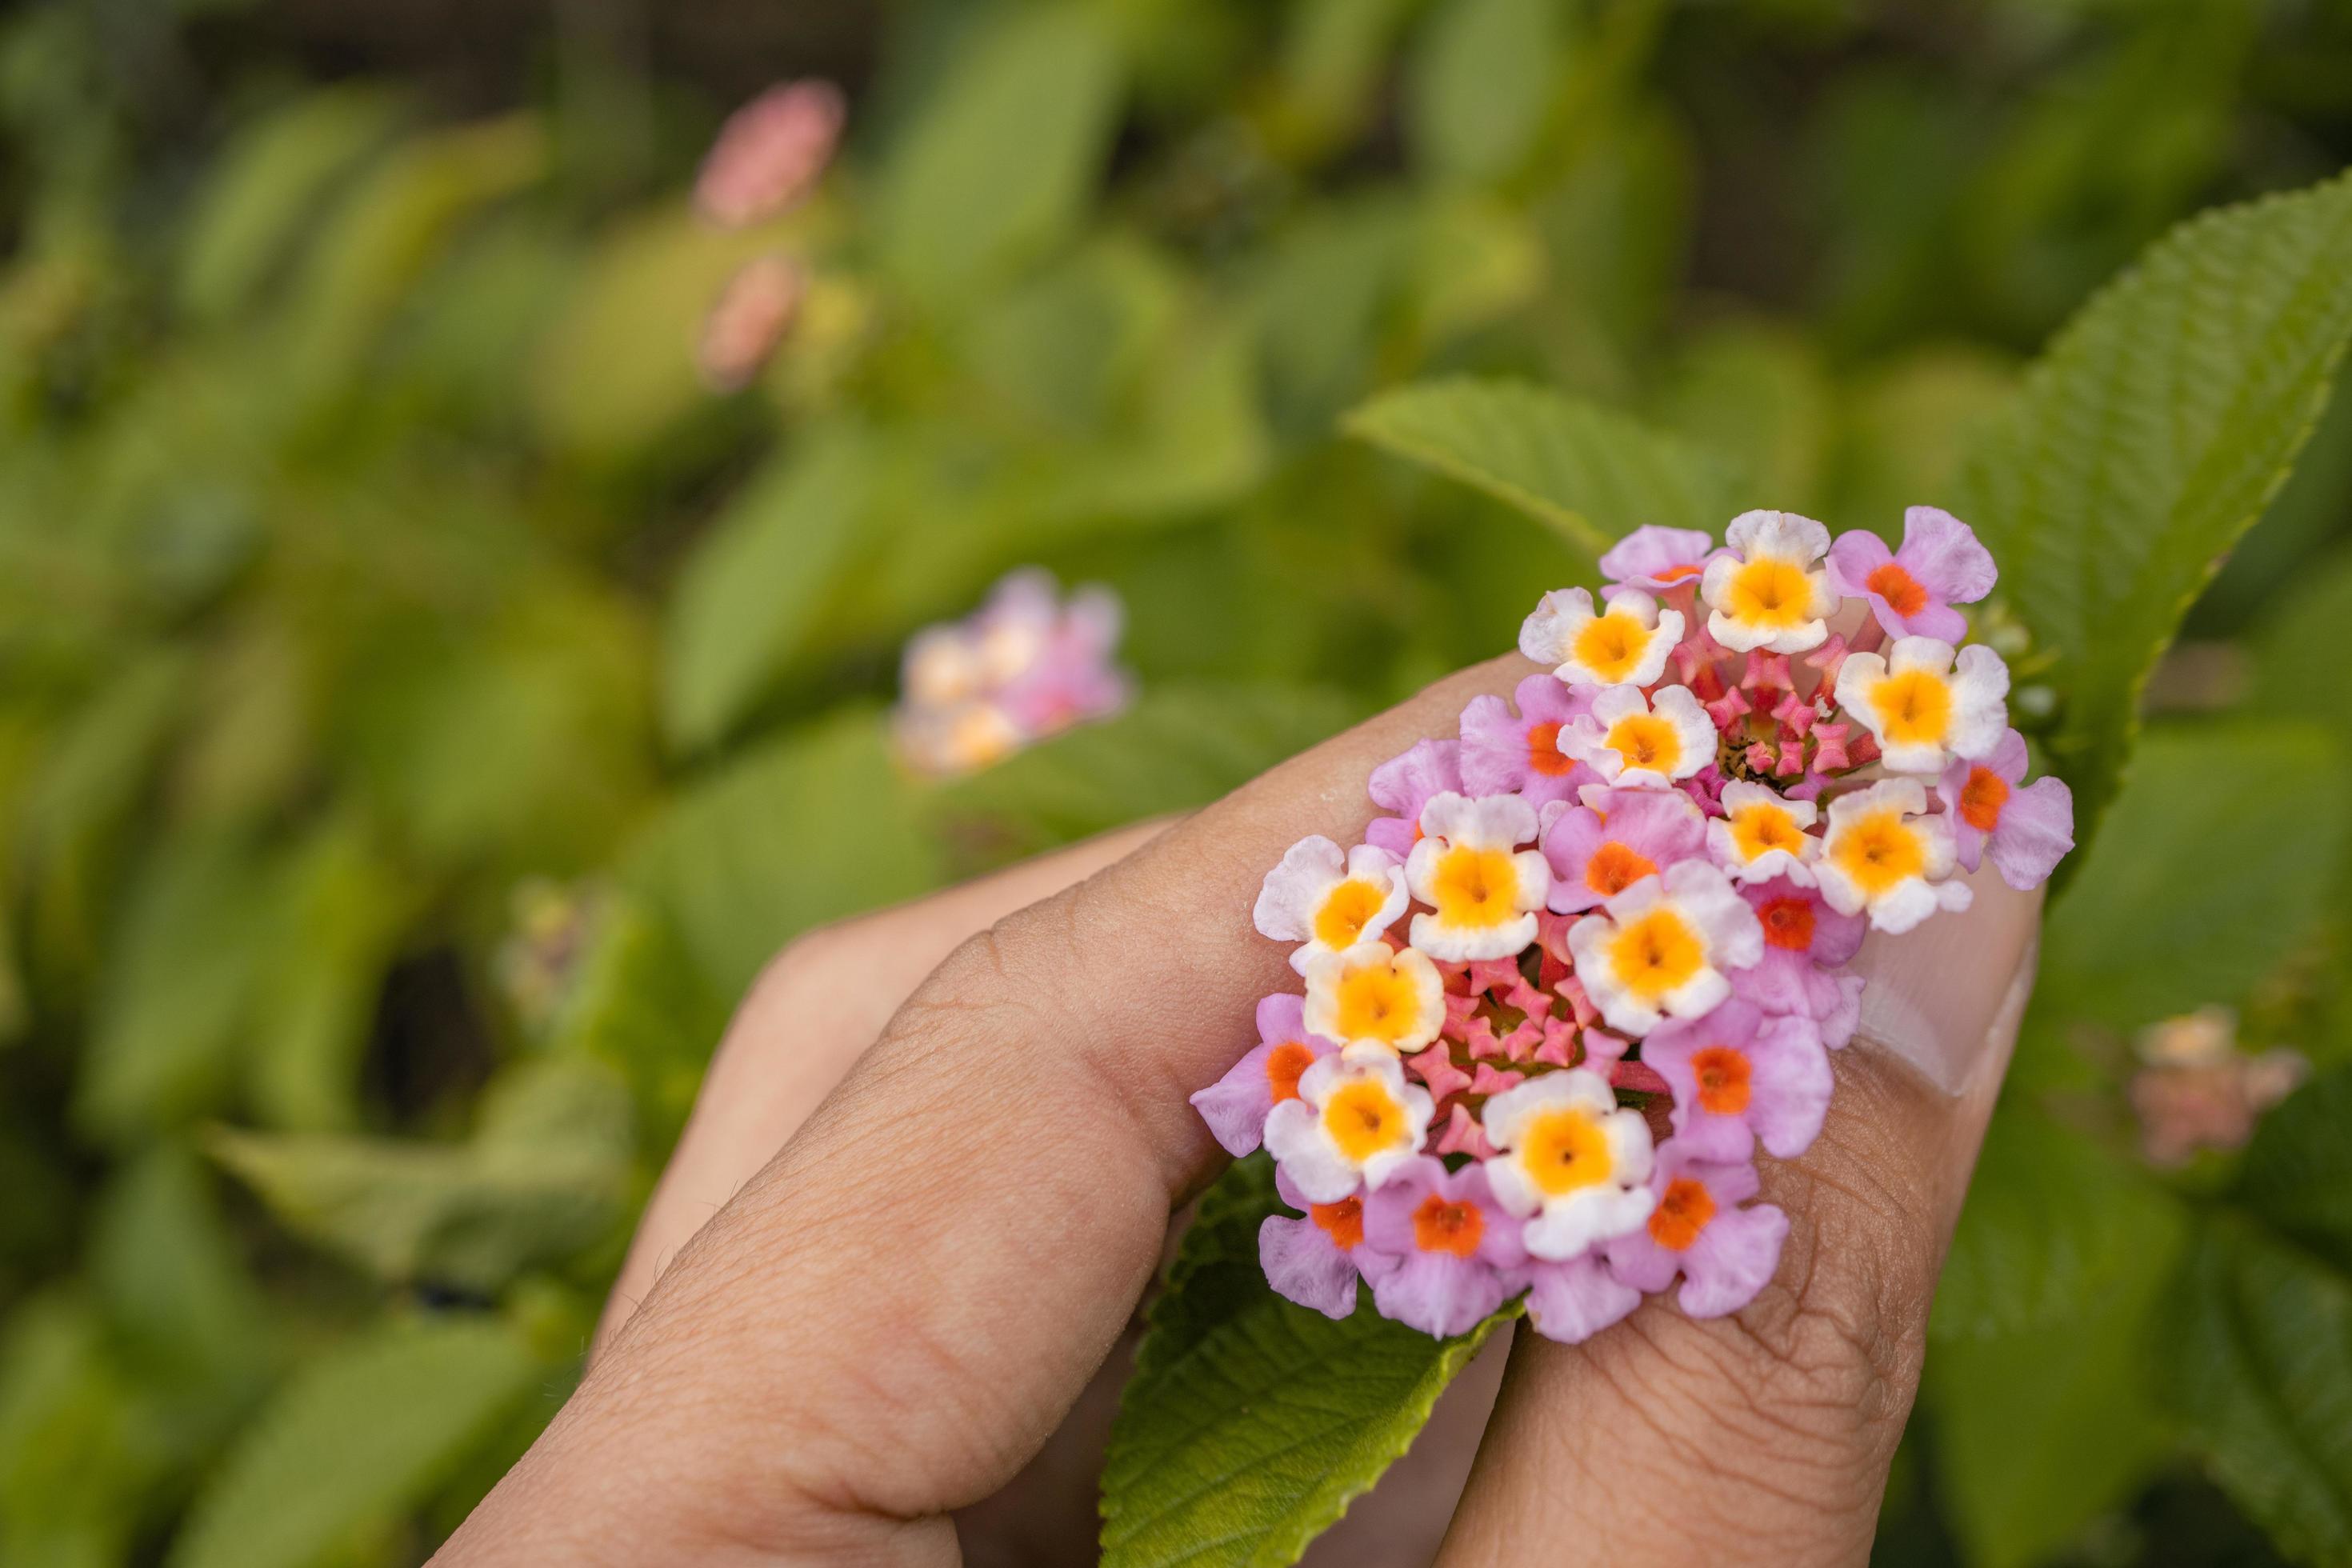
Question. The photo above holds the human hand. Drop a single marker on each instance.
(893, 1316)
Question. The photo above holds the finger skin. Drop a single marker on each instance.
(812, 1013)
(890, 1319)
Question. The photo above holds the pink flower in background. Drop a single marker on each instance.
(1912, 590)
(1807, 945)
(1312, 1261)
(1505, 750)
(2027, 830)
(2198, 1090)
(1574, 1299)
(1742, 1077)
(1027, 665)
(1236, 1106)
(770, 152)
(1450, 1247)
(754, 309)
(1404, 784)
(1655, 558)
(1598, 850)
(1724, 1253)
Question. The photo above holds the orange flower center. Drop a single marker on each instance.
(1544, 753)
(1677, 573)
(1614, 867)
(1900, 590)
(1682, 1212)
(1283, 1065)
(1789, 923)
(1442, 1226)
(1982, 798)
(1343, 1222)
(1723, 1079)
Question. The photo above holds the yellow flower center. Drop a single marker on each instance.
(1759, 829)
(1914, 707)
(1347, 910)
(1376, 1003)
(1363, 1119)
(1645, 741)
(1611, 645)
(1564, 1150)
(1879, 851)
(1656, 953)
(1476, 887)
(1770, 593)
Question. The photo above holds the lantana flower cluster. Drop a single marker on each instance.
(1592, 964)
(1027, 664)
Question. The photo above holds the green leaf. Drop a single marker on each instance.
(2149, 438)
(1593, 475)
(1760, 394)
(379, 240)
(1177, 748)
(1482, 76)
(2304, 635)
(2054, 1223)
(1003, 156)
(1322, 301)
(2041, 1430)
(616, 369)
(545, 1175)
(167, 1272)
(269, 190)
(2195, 894)
(342, 912)
(1333, 55)
(177, 988)
(356, 1438)
(807, 829)
(1250, 1423)
(748, 590)
(2260, 1370)
(640, 1004)
(2038, 1369)
(78, 1453)
(2298, 1170)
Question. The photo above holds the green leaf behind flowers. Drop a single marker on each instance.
(1593, 475)
(1251, 1423)
(819, 824)
(2041, 1339)
(2196, 894)
(544, 1176)
(1177, 748)
(2152, 435)
(2259, 1369)
(354, 1439)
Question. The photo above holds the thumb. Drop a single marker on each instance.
(1765, 1437)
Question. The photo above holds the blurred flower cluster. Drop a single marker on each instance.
(1027, 664)
(2196, 1090)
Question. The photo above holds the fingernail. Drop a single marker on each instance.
(1946, 996)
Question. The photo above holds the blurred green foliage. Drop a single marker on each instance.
(425, 704)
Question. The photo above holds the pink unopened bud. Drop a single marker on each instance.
(770, 152)
(1463, 1135)
(753, 312)
(1729, 709)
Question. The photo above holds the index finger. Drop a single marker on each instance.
(888, 1319)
